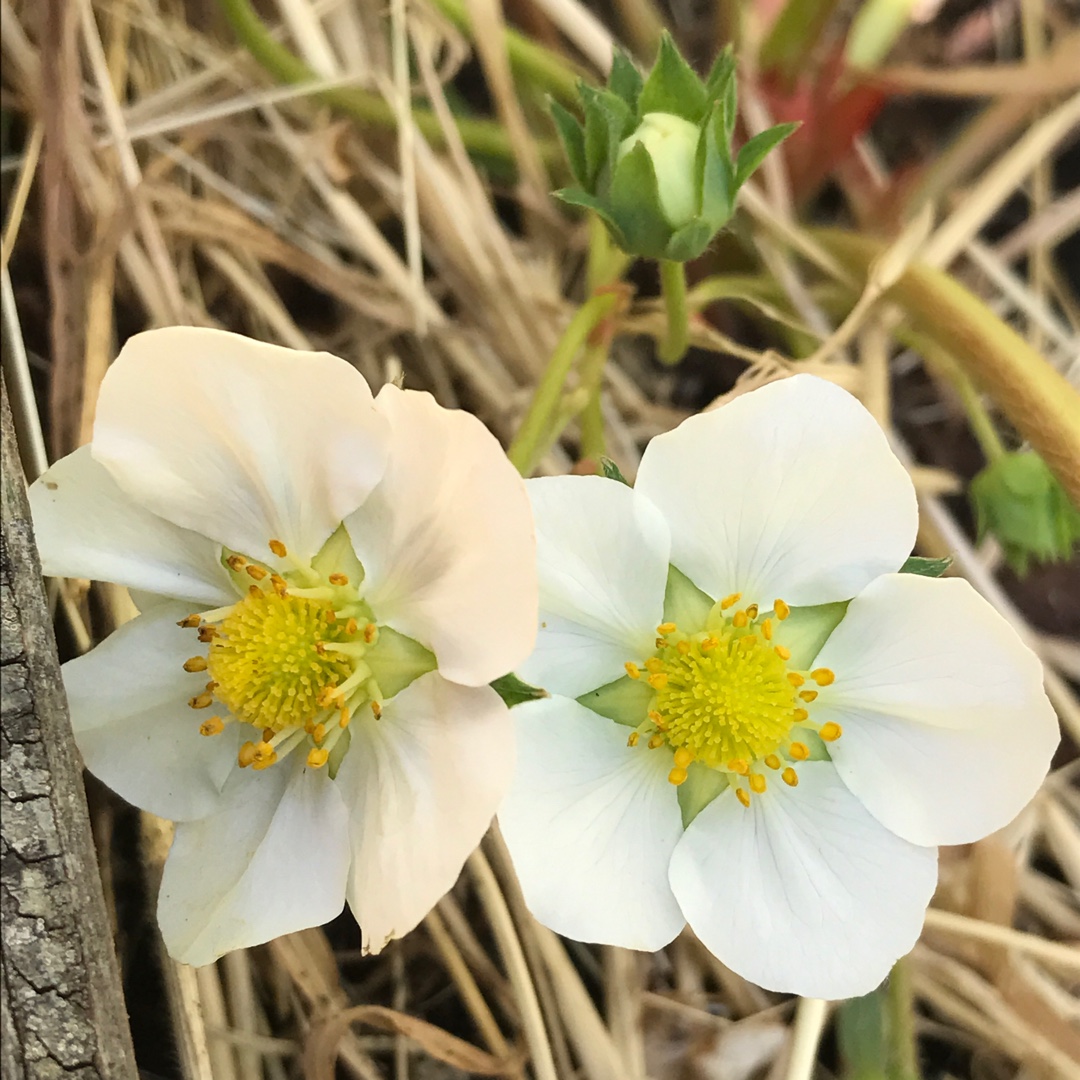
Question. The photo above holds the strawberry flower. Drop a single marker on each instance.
(327, 582)
(757, 725)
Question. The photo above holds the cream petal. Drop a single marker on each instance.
(602, 553)
(273, 860)
(947, 730)
(134, 729)
(447, 542)
(788, 491)
(86, 527)
(803, 892)
(422, 785)
(238, 440)
(591, 824)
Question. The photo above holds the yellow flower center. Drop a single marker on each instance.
(270, 662)
(726, 698)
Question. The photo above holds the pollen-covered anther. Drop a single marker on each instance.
(279, 584)
(278, 548)
(656, 741)
(782, 651)
(351, 627)
(683, 647)
(236, 563)
(823, 676)
(246, 755)
(338, 579)
(201, 701)
(730, 601)
(743, 796)
(658, 680)
(256, 572)
(740, 619)
(632, 669)
(830, 732)
(799, 751)
(254, 590)
(371, 633)
(207, 634)
(376, 711)
(634, 738)
(264, 763)
(790, 777)
(683, 757)
(707, 645)
(808, 695)
(772, 761)
(799, 715)
(781, 609)
(677, 776)
(318, 732)
(214, 726)
(666, 628)
(766, 629)
(757, 782)
(752, 612)
(344, 716)
(195, 663)
(739, 766)
(189, 622)
(795, 678)
(317, 757)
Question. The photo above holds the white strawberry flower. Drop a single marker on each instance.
(758, 726)
(327, 583)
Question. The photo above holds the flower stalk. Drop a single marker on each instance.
(673, 286)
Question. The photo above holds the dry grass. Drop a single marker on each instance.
(164, 178)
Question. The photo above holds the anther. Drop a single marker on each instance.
(201, 701)
(331, 617)
(709, 644)
(790, 777)
(236, 563)
(656, 741)
(325, 696)
(683, 757)
(830, 732)
(281, 586)
(211, 686)
(799, 751)
(268, 734)
(781, 609)
(766, 629)
(207, 634)
(740, 619)
(751, 612)
(654, 664)
(254, 590)
(666, 628)
(658, 680)
(799, 715)
(739, 766)
(265, 763)
(246, 756)
(263, 749)
(634, 738)
(317, 757)
(376, 710)
(795, 678)
(748, 642)
(683, 647)
(730, 601)
(339, 579)
(808, 695)
(214, 726)
(677, 776)
(371, 632)
(783, 652)
(660, 642)
(657, 718)
(743, 796)
(278, 548)
(351, 627)
(320, 647)
(318, 732)
(256, 572)
(195, 663)
(772, 761)
(189, 622)
(632, 669)
(822, 676)
(344, 716)
(757, 783)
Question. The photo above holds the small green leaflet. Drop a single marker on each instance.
(513, 691)
(611, 471)
(926, 567)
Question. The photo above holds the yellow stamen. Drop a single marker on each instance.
(632, 669)
(214, 726)
(757, 783)
(189, 622)
(730, 601)
(376, 710)
(351, 627)
(195, 663)
(658, 681)
(656, 741)
(256, 572)
(790, 777)
(766, 629)
(782, 651)
(683, 757)
(201, 701)
(677, 776)
(207, 634)
(371, 631)
(740, 619)
(751, 612)
(278, 548)
(635, 737)
(656, 718)
(795, 678)
(781, 609)
(739, 766)
(265, 763)
(344, 716)
(772, 761)
(281, 586)
(808, 695)
(799, 751)
(709, 644)
(339, 579)
(318, 732)
(683, 647)
(246, 756)
(666, 628)
(800, 715)
(654, 664)
(254, 590)
(236, 563)
(317, 757)
(822, 676)
(830, 732)
(743, 796)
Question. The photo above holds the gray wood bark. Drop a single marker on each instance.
(61, 1006)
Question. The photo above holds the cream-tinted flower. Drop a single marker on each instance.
(758, 726)
(327, 583)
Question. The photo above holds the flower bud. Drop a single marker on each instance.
(672, 144)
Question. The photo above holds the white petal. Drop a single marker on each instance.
(238, 440)
(422, 785)
(273, 860)
(87, 527)
(789, 491)
(804, 892)
(132, 723)
(447, 541)
(947, 730)
(602, 552)
(591, 824)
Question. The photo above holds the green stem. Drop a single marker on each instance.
(673, 286)
(903, 1045)
(531, 437)
(484, 138)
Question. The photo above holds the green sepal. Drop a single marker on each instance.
(672, 86)
(626, 701)
(611, 471)
(684, 603)
(514, 692)
(807, 629)
(926, 567)
(715, 173)
(634, 200)
(755, 151)
(576, 196)
(625, 80)
(690, 241)
(700, 787)
(572, 137)
(337, 754)
(396, 661)
(608, 120)
(721, 74)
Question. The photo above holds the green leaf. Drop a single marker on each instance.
(672, 86)
(611, 471)
(926, 567)
(690, 241)
(625, 80)
(514, 692)
(634, 200)
(755, 151)
(572, 136)
(575, 196)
